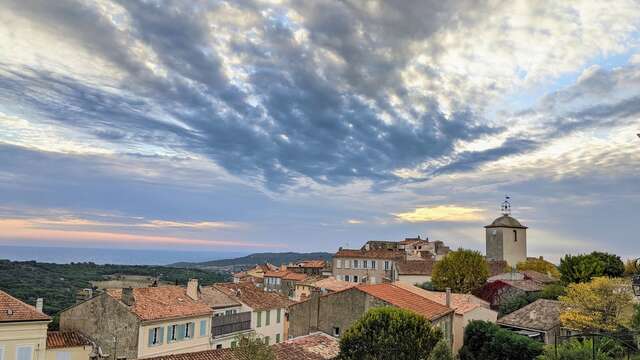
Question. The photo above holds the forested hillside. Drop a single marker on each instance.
(258, 258)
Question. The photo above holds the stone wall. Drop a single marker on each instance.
(102, 318)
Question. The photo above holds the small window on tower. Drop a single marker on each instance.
(515, 235)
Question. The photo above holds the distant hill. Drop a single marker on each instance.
(258, 258)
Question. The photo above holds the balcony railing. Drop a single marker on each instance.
(228, 324)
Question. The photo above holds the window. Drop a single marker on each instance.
(219, 346)
(266, 340)
(386, 265)
(346, 278)
(339, 264)
(277, 338)
(336, 331)
(347, 264)
(267, 321)
(203, 327)
(259, 318)
(373, 264)
(24, 352)
(355, 278)
(155, 336)
(365, 264)
(278, 316)
(1, 352)
(188, 330)
(355, 264)
(515, 236)
(173, 334)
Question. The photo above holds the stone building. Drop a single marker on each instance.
(539, 320)
(506, 238)
(334, 313)
(366, 266)
(143, 322)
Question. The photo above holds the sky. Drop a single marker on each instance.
(307, 125)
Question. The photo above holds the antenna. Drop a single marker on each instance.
(506, 206)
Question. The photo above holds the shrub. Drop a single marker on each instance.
(553, 291)
(442, 351)
(484, 340)
(389, 333)
(577, 349)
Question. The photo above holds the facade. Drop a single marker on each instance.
(413, 272)
(68, 346)
(539, 320)
(23, 329)
(466, 308)
(499, 291)
(366, 266)
(335, 312)
(506, 239)
(230, 319)
(268, 310)
(309, 267)
(143, 322)
(321, 284)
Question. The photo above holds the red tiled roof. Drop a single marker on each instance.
(405, 299)
(255, 298)
(370, 254)
(66, 339)
(12, 309)
(165, 302)
(316, 346)
(311, 264)
(294, 276)
(276, 273)
(416, 267)
(332, 284)
(461, 303)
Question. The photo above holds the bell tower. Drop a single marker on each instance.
(506, 238)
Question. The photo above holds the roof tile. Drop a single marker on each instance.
(541, 314)
(165, 302)
(254, 297)
(12, 309)
(405, 299)
(66, 339)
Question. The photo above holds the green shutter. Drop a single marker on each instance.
(150, 337)
(278, 316)
(160, 334)
(259, 320)
(267, 321)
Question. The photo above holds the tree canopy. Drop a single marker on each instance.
(603, 304)
(581, 268)
(484, 340)
(389, 333)
(539, 265)
(252, 347)
(462, 270)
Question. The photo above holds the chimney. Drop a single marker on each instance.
(39, 304)
(448, 297)
(192, 289)
(127, 296)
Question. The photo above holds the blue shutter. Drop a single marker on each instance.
(160, 334)
(150, 337)
(180, 330)
(169, 333)
(192, 328)
(203, 327)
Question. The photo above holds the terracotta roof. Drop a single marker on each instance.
(541, 315)
(165, 302)
(66, 339)
(12, 309)
(311, 264)
(294, 276)
(275, 273)
(507, 222)
(333, 284)
(370, 254)
(461, 303)
(316, 346)
(524, 285)
(539, 277)
(405, 299)
(216, 299)
(415, 267)
(255, 298)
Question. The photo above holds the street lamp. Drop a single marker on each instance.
(635, 282)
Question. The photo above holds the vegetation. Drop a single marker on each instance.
(484, 340)
(631, 268)
(259, 258)
(516, 302)
(386, 333)
(252, 347)
(442, 351)
(539, 265)
(58, 283)
(581, 349)
(462, 270)
(604, 304)
(553, 291)
(635, 320)
(582, 268)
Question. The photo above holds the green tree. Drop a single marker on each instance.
(603, 304)
(613, 265)
(252, 347)
(580, 268)
(484, 340)
(463, 271)
(385, 333)
(553, 291)
(539, 265)
(442, 351)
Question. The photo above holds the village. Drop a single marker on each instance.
(306, 310)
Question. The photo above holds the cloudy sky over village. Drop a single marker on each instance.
(306, 125)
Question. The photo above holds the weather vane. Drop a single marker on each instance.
(506, 206)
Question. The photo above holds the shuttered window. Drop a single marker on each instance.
(203, 327)
(259, 318)
(278, 316)
(24, 352)
(267, 321)
(155, 336)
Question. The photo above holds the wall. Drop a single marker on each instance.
(100, 319)
(75, 353)
(302, 292)
(414, 279)
(274, 328)
(460, 323)
(377, 274)
(198, 342)
(503, 246)
(32, 333)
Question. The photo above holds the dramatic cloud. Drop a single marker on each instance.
(441, 213)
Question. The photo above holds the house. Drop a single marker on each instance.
(229, 320)
(498, 291)
(143, 322)
(335, 312)
(255, 274)
(322, 284)
(23, 329)
(316, 346)
(283, 281)
(268, 309)
(539, 320)
(366, 266)
(309, 267)
(68, 346)
(466, 308)
(414, 272)
(540, 278)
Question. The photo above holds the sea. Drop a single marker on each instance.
(65, 255)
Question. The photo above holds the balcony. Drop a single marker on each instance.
(229, 324)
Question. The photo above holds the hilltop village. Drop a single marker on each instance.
(302, 310)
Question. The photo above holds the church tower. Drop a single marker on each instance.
(506, 238)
